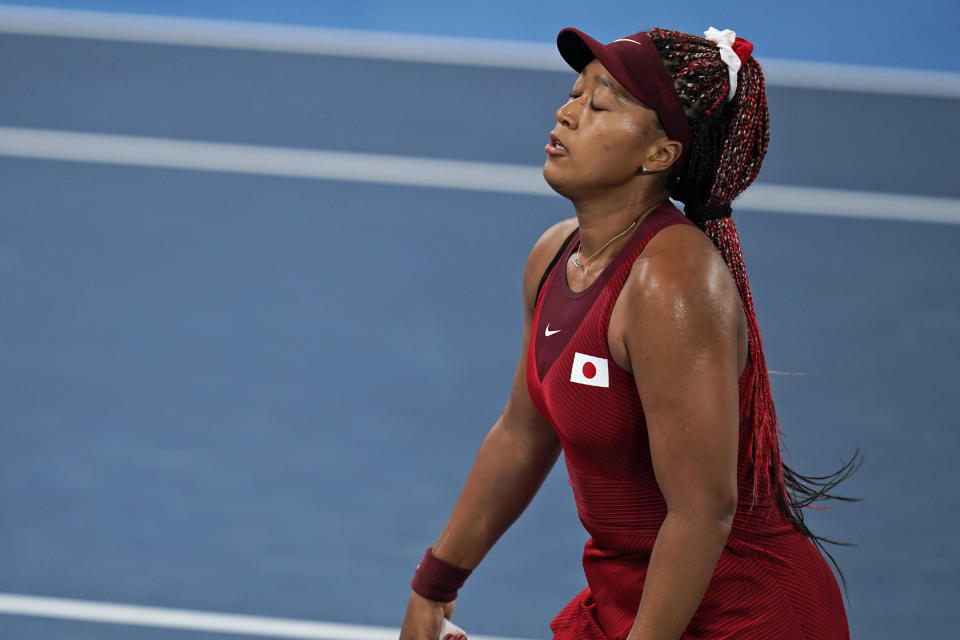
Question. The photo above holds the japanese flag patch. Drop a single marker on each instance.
(589, 370)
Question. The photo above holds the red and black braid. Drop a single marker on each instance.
(730, 140)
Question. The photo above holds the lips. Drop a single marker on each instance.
(555, 147)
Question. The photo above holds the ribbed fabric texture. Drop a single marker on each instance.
(770, 582)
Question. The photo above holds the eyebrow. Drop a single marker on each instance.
(615, 90)
(604, 81)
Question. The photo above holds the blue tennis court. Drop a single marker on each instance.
(239, 380)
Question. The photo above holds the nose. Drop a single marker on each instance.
(566, 114)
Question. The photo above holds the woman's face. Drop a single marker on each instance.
(602, 137)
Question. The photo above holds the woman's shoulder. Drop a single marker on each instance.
(679, 291)
(550, 241)
(542, 253)
(680, 263)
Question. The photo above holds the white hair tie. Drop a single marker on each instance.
(724, 40)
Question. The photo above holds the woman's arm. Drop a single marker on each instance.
(516, 455)
(512, 463)
(509, 469)
(682, 339)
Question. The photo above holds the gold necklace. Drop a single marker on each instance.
(582, 264)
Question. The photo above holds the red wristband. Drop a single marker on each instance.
(438, 580)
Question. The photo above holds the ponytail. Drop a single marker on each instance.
(730, 140)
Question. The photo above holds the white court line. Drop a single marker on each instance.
(257, 36)
(107, 612)
(423, 48)
(846, 203)
(425, 172)
(272, 161)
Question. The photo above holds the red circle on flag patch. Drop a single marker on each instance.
(589, 370)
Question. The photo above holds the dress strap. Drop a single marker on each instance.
(553, 262)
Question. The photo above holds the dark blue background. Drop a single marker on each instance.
(261, 395)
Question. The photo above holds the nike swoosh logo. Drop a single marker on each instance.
(549, 333)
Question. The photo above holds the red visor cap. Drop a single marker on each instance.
(636, 64)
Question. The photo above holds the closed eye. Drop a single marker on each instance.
(593, 105)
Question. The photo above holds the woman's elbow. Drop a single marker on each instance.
(722, 504)
(725, 511)
(716, 511)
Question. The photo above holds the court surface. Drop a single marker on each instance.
(234, 382)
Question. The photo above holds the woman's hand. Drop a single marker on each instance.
(424, 618)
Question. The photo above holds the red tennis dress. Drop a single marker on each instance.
(770, 581)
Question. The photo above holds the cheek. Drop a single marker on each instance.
(622, 135)
(619, 147)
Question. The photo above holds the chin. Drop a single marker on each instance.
(556, 182)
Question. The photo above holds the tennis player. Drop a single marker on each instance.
(642, 362)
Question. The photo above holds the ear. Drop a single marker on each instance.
(662, 156)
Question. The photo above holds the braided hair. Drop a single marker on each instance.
(730, 140)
